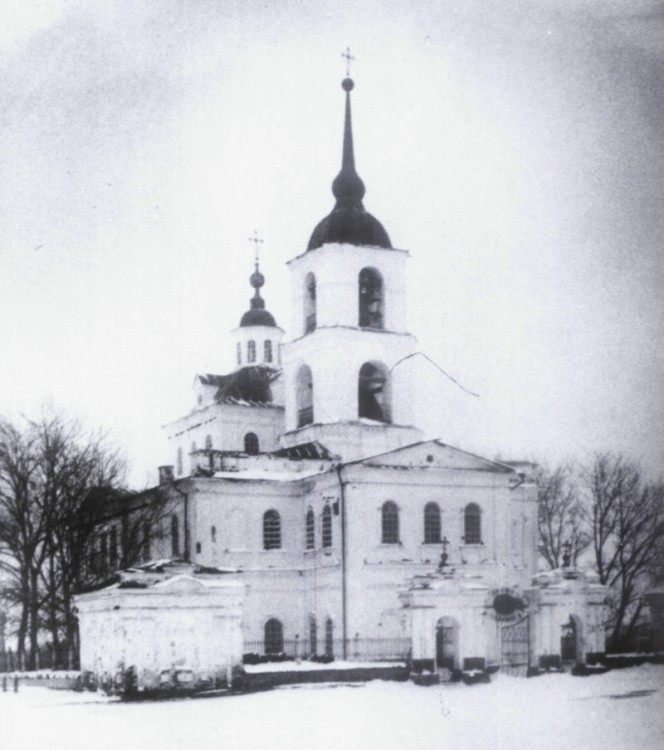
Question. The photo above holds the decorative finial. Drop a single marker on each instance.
(348, 58)
(257, 280)
(257, 243)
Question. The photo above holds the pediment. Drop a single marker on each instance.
(434, 454)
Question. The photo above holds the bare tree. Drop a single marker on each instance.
(58, 485)
(627, 520)
(22, 532)
(560, 514)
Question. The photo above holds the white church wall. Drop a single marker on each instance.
(337, 268)
(179, 622)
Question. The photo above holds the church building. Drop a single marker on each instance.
(303, 472)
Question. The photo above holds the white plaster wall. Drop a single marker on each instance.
(337, 268)
(161, 627)
(226, 424)
(243, 334)
(335, 356)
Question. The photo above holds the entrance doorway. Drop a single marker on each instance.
(447, 644)
(571, 641)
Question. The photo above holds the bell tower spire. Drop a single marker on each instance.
(349, 222)
(348, 290)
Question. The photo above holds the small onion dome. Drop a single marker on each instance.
(257, 315)
(349, 222)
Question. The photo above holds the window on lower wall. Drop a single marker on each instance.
(432, 523)
(472, 524)
(271, 530)
(251, 443)
(390, 523)
(310, 530)
(327, 526)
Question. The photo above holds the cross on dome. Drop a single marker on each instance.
(348, 57)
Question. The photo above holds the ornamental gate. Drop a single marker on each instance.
(515, 646)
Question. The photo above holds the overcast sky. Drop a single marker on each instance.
(515, 148)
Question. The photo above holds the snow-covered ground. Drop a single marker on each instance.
(623, 709)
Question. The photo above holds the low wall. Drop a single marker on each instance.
(266, 680)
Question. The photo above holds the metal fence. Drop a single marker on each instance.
(356, 649)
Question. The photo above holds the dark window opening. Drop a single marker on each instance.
(251, 351)
(371, 299)
(267, 351)
(251, 443)
(271, 530)
(372, 394)
(432, 524)
(390, 523)
(472, 524)
(309, 303)
(313, 636)
(305, 397)
(327, 526)
(310, 530)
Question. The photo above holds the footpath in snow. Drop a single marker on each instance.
(619, 710)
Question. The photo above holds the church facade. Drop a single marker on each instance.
(302, 472)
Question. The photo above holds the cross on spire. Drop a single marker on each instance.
(348, 58)
(257, 242)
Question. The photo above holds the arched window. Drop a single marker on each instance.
(390, 523)
(431, 523)
(175, 536)
(274, 636)
(327, 526)
(251, 443)
(472, 524)
(329, 638)
(373, 393)
(309, 303)
(192, 457)
(145, 547)
(271, 530)
(305, 396)
(179, 462)
(213, 534)
(238, 348)
(251, 351)
(310, 530)
(208, 442)
(313, 636)
(267, 350)
(371, 298)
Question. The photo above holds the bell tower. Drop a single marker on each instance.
(342, 383)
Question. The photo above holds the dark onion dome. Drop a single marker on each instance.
(349, 222)
(257, 315)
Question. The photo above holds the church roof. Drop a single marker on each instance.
(349, 222)
(313, 450)
(249, 385)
